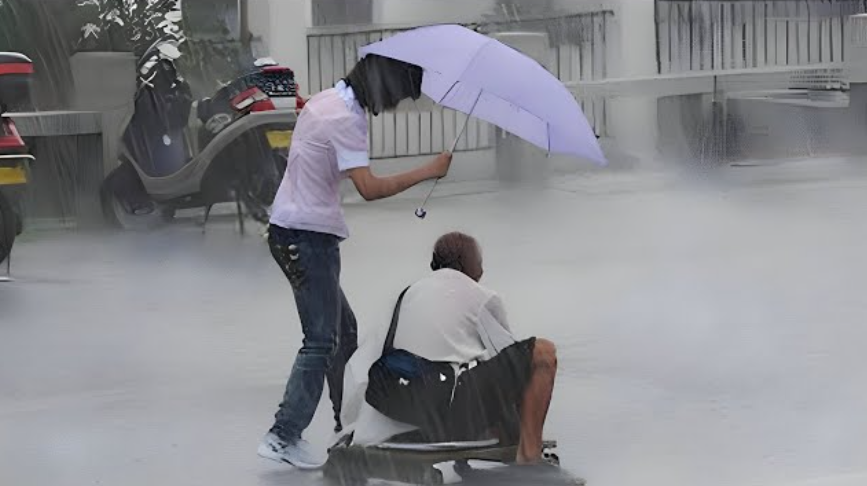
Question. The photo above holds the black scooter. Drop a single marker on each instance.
(232, 150)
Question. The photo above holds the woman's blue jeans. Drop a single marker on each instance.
(311, 262)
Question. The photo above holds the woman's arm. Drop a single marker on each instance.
(372, 187)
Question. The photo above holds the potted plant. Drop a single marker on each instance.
(113, 35)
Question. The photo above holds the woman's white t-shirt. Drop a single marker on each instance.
(331, 137)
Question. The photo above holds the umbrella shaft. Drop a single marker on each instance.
(429, 194)
(466, 122)
(454, 146)
(463, 129)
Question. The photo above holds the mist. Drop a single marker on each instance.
(703, 289)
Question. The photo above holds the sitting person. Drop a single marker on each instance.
(448, 318)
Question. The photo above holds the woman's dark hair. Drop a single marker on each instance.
(381, 83)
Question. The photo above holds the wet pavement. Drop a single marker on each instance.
(710, 331)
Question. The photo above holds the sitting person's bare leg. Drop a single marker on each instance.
(537, 398)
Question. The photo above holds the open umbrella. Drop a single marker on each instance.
(479, 76)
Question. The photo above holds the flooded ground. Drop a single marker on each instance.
(710, 331)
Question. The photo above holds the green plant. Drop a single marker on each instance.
(128, 25)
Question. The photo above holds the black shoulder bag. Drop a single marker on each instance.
(408, 388)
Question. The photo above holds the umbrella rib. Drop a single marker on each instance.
(466, 68)
(442, 99)
(521, 108)
(449, 91)
(475, 56)
(548, 131)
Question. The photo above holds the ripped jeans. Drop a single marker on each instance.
(311, 262)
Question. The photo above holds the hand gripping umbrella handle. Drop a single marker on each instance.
(421, 212)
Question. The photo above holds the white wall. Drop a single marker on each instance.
(282, 25)
(636, 25)
(632, 121)
(258, 17)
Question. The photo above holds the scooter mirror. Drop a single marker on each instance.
(169, 51)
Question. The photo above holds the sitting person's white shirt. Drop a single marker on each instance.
(445, 316)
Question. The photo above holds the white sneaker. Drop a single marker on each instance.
(299, 454)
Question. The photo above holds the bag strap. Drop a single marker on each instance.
(389, 339)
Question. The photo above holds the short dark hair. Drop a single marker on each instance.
(455, 251)
(381, 83)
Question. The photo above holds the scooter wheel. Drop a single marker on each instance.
(117, 212)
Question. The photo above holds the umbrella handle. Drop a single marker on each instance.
(421, 212)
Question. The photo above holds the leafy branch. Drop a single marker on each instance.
(128, 25)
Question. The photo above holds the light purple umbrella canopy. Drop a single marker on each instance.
(477, 75)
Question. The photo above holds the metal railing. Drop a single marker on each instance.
(577, 53)
(702, 35)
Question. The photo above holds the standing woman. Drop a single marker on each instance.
(330, 142)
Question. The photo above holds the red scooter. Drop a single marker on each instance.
(15, 72)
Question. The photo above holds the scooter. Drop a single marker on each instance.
(407, 459)
(15, 71)
(232, 150)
